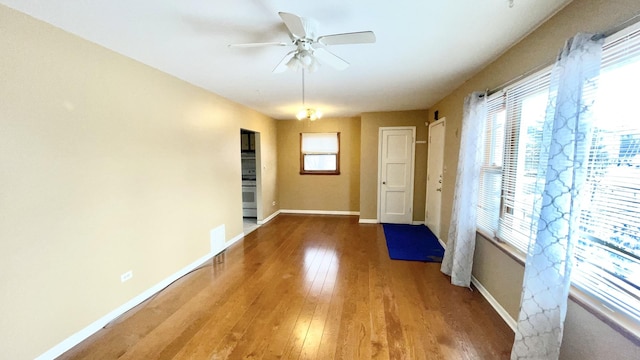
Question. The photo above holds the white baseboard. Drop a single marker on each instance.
(269, 218)
(94, 327)
(368, 221)
(319, 212)
(495, 304)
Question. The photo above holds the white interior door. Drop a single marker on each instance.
(396, 150)
(434, 175)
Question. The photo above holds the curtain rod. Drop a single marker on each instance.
(620, 26)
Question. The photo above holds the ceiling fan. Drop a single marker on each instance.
(311, 49)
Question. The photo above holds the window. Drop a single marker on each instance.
(320, 153)
(607, 255)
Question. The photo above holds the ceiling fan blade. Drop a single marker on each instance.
(361, 37)
(282, 65)
(250, 45)
(326, 57)
(295, 24)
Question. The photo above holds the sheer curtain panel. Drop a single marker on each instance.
(566, 137)
(458, 256)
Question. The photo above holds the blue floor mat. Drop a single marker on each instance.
(412, 242)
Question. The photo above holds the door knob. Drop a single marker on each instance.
(439, 189)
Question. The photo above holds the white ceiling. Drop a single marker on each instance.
(424, 49)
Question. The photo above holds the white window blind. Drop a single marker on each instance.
(607, 254)
(319, 143)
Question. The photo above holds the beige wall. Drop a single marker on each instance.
(585, 337)
(319, 192)
(371, 123)
(107, 166)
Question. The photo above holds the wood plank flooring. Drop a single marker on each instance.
(307, 287)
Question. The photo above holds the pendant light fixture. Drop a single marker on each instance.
(307, 113)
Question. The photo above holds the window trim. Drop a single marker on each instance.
(320, 172)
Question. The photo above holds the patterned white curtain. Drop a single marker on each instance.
(461, 243)
(566, 139)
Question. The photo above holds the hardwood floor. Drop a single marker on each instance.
(307, 287)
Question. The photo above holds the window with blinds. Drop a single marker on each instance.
(607, 254)
(320, 153)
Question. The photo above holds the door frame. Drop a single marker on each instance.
(413, 166)
(426, 200)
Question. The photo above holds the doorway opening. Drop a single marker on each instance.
(249, 159)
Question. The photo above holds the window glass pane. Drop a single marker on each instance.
(319, 162)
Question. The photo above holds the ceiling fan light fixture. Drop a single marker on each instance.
(305, 57)
(314, 66)
(294, 63)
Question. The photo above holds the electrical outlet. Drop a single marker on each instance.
(126, 276)
(273, 203)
